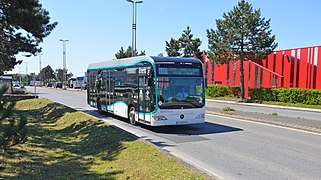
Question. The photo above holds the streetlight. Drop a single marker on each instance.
(19, 76)
(39, 68)
(134, 25)
(40, 62)
(27, 73)
(64, 62)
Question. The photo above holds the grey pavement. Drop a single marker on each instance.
(300, 118)
(224, 147)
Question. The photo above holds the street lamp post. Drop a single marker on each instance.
(39, 67)
(64, 63)
(134, 25)
(27, 73)
(40, 62)
(19, 76)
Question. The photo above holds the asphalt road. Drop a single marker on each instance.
(224, 147)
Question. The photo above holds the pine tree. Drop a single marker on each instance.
(12, 127)
(173, 48)
(23, 26)
(185, 46)
(128, 53)
(189, 46)
(242, 34)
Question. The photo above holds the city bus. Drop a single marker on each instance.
(148, 89)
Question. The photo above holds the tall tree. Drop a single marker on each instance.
(173, 47)
(59, 75)
(243, 34)
(185, 46)
(189, 46)
(47, 74)
(128, 53)
(124, 54)
(23, 26)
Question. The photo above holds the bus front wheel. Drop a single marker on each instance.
(131, 115)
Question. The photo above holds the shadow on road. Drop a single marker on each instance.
(38, 93)
(195, 129)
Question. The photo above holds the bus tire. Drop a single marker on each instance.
(131, 115)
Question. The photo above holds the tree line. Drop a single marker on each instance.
(47, 74)
(241, 34)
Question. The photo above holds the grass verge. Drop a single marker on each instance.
(66, 144)
(299, 105)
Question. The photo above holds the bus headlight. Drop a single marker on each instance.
(202, 115)
(158, 118)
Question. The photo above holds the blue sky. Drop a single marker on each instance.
(97, 29)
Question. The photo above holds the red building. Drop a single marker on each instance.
(290, 68)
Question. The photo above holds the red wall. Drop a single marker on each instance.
(292, 68)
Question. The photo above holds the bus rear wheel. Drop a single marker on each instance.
(131, 115)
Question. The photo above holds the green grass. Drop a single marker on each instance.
(274, 114)
(66, 144)
(293, 105)
(228, 109)
(234, 99)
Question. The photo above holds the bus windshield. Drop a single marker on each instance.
(180, 92)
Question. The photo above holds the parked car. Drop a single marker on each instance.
(58, 85)
(49, 84)
(83, 87)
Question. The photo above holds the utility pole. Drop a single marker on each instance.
(27, 73)
(20, 76)
(39, 68)
(134, 25)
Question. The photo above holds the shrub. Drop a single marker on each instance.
(12, 128)
(263, 94)
(217, 91)
(235, 90)
(228, 109)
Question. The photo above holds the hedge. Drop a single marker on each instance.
(285, 95)
(221, 91)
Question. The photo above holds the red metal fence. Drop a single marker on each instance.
(290, 68)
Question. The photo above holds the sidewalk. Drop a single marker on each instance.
(266, 105)
(299, 118)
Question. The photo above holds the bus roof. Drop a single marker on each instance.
(137, 59)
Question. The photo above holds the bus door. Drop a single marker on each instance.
(143, 97)
(110, 91)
